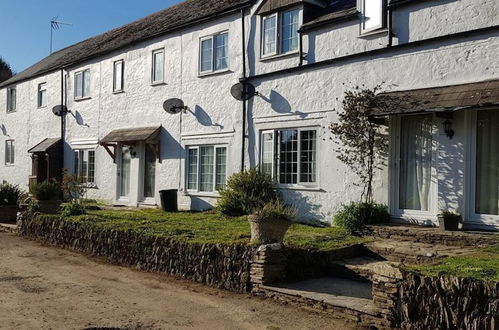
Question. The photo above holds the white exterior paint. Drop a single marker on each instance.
(305, 98)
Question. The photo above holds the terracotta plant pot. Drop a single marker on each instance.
(49, 207)
(267, 230)
(449, 222)
(8, 213)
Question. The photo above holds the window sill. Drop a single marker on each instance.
(373, 32)
(10, 165)
(298, 187)
(279, 56)
(202, 194)
(119, 92)
(42, 107)
(159, 83)
(213, 73)
(11, 111)
(82, 98)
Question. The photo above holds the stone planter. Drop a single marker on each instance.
(449, 222)
(267, 231)
(49, 207)
(8, 213)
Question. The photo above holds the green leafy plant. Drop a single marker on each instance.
(356, 215)
(73, 208)
(45, 191)
(246, 192)
(73, 186)
(32, 206)
(10, 194)
(276, 210)
(446, 214)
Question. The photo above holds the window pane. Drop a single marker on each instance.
(373, 14)
(7, 152)
(86, 83)
(269, 35)
(221, 161)
(78, 85)
(415, 162)
(267, 153)
(206, 55)
(288, 156)
(91, 166)
(289, 41)
(158, 66)
(126, 158)
(76, 163)
(192, 169)
(12, 152)
(42, 95)
(118, 76)
(149, 172)
(82, 166)
(206, 169)
(487, 162)
(221, 50)
(308, 156)
(11, 99)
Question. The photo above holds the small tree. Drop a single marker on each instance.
(362, 144)
(5, 70)
(73, 186)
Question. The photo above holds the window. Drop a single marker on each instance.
(118, 76)
(214, 53)
(82, 84)
(9, 152)
(373, 15)
(42, 95)
(11, 99)
(280, 33)
(158, 65)
(290, 155)
(84, 165)
(206, 168)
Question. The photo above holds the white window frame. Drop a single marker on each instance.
(86, 155)
(11, 100)
(10, 157)
(122, 62)
(383, 19)
(276, 155)
(153, 66)
(42, 87)
(198, 166)
(278, 33)
(83, 74)
(213, 53)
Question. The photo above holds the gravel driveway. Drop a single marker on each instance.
(49, 288)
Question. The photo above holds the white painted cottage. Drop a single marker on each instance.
(438, 59)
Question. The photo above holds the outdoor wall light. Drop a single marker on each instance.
(449, 132)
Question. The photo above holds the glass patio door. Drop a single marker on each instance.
(124, 172)
(149, 172)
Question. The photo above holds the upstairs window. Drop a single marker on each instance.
(213, 52)
(82, 84)
(9, 152)
(84, 163)
(42, 95)
(280, 33)
(11, 99)
(118, 76)
(206, 168)
(158, 66)
(373, 15)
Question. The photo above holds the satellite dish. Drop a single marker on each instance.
(243, 91)
(174, 106)
(60, 110)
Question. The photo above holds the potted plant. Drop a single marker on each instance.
(448, 220)
(10, 195)
(47, 194)
(270, 223)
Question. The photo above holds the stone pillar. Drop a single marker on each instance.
(268, 265)
(386, 283)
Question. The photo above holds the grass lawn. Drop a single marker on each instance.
(210, 227)
(484, 265)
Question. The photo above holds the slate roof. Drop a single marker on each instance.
(132, 134)
(173, 18)
(44, 145)
(447, 98)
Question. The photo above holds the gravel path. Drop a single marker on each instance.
(49, 288)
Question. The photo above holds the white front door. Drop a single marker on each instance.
(124, 173)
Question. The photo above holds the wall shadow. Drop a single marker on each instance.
(203, 117)
(170, 148)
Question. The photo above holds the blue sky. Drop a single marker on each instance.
(25, 27)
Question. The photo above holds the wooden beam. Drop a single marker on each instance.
(111, 153)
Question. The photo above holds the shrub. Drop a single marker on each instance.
(276, 210)
(73, 186)
(10, 194)
(32, 206)
(246, 192)
(72, 208)
(45, 191)
(355, 216)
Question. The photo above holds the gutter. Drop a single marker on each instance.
(374, 52)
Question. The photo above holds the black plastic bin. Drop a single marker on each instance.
(168, 200)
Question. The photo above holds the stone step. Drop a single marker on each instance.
(409, 252)
(342, 298)
(8, 227)
(358, 269)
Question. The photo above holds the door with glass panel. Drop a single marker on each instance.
(124, 172)
(486, 166)
(415, 163)
(149, 183)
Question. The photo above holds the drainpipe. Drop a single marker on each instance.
(243, 133)
(63, 122)
(300, 33)
(389, 26)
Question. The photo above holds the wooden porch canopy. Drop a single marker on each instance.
(130, 136)
(438, 99)
(45, 145)
(46, 160)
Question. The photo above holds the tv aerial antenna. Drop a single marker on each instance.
(55, 24)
